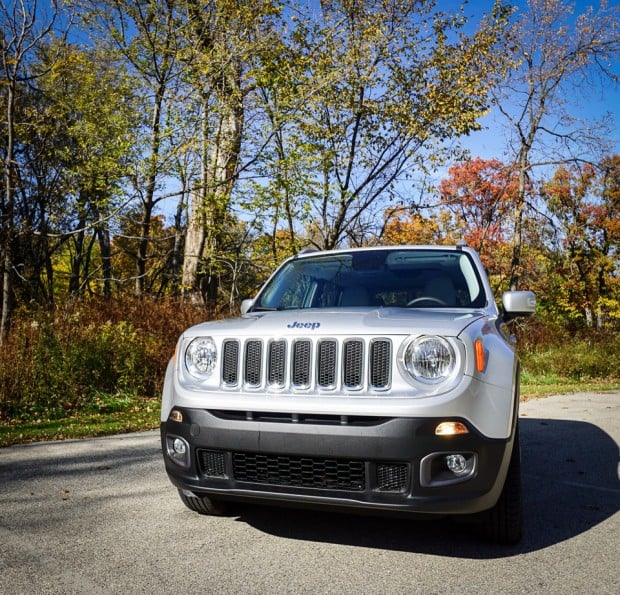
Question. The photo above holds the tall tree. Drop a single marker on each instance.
(392, 82)
(24, 26)
(147, 34)
(226, 37)
(92, 115)
(585, 202)
(556, 55)
(480, 194)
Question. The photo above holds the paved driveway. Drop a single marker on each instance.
(99, 516)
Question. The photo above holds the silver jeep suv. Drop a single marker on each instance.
(375, 379)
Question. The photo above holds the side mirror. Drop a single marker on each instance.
(246, 305)
(518, 303)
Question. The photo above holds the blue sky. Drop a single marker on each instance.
(491, 142)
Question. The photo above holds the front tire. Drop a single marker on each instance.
(203, 504)
(503, 523)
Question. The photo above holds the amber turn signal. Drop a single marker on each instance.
(176, 415)
(481, 363)
(451, 428)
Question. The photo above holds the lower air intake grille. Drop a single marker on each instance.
(392, 477)
(211, 463)
(333, 474)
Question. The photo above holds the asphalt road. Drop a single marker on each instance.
(99, 516)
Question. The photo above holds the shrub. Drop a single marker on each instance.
(85, 354)
(577, 358)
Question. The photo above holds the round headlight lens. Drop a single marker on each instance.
(430, 359)
(201, 357)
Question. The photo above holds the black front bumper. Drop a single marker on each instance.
(389, 464)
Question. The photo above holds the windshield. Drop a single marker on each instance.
(376, 278)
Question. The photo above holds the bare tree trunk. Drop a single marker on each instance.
(8, 217)
(148, 201)
(196, 229)
(517, 219)
(194, 244)
(177, 248)
(209, 208)
(103, 236)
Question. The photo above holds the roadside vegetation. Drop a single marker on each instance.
(87, 368)
(555, 360)
(96, 368)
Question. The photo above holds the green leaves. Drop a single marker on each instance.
(376, 86)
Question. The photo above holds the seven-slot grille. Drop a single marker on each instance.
(303, 363)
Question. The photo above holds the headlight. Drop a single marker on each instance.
(430, 359)
(201, 357)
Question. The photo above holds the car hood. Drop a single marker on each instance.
(353, 321)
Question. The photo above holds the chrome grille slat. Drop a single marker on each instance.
(353, 363)
(276, 365)
(230, 362)
(380, 359)
(326, 363)
(322, 363)
(253, 362)
(302, 359)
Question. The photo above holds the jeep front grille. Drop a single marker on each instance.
(307, 363)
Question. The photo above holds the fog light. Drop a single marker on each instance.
(457, 464)
(178, 450)
(446, 468)
(179, 447)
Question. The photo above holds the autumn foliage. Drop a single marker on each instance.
(572, 231)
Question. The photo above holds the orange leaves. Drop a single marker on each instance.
(480, 194)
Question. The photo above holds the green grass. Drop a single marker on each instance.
(534, 386)
(136, 414)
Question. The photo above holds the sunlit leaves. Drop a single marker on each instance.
(584, 203)
(383, 85)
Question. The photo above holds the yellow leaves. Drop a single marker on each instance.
(403, 227)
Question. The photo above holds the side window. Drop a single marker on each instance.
(473, 294)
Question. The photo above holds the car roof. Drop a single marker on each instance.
(461, 246)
